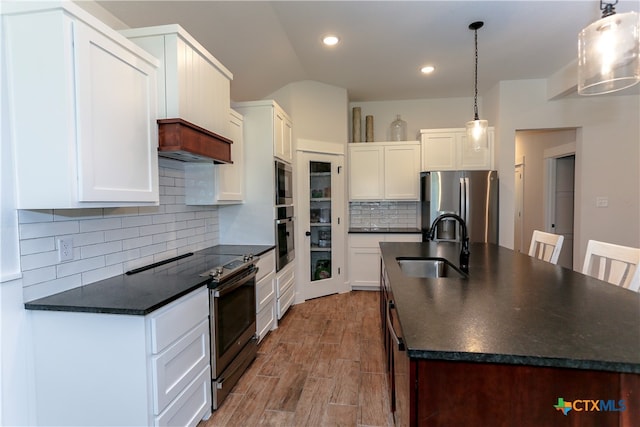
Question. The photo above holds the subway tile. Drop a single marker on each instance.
(29, 216)
(163, 218)
(121, 257)
(152, 229)
(38, 275)
(121, 234)
(44, 289)
(100, 224)
(185, 216)
(79, 266)
(164, 237)
(44, 229)
(137, 242)
(91, 251)
(101, 273)
(39, 260)
(92, 238)
(137, 221)
(153, 249)
(151, 210)
(33, 246)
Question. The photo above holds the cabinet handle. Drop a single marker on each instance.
(399, 341)
(307, 233)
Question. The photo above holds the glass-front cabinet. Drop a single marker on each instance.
(321, 202)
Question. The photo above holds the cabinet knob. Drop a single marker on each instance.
(307, 233)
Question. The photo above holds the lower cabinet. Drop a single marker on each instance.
(266, 294)
(364, 257)
(120, 369)
(285, 289)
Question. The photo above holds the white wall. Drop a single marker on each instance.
(418, 113)
(608, 156)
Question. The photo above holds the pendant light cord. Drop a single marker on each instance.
(475, 97)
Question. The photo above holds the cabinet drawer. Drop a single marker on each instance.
(193, 404)
(265, 319)
(365, 240)
(265, 291)
(285, 301)
(174, 320)
(266, 264)
(284, 281)
(177, 366)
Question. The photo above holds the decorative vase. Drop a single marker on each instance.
(355, 125)
(369, 126)
(398, 129)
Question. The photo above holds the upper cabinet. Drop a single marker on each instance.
(384, 171)
(208, 184)
(447, 149)
(283, 143)
(194, 86)
(81, 105)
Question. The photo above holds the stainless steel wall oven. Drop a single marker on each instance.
(284, 184)
(285, 247)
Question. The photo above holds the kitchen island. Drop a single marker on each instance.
(508, 343)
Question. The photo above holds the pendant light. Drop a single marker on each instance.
(476, 128)
(609, 52)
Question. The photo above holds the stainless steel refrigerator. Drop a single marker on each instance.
(471, 194)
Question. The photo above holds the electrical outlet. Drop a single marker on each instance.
(65, 249)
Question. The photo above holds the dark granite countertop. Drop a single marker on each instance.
(382, 230)
(146, 291)
(514, 309)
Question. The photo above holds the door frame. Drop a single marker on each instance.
(325, 151)
(519, 199)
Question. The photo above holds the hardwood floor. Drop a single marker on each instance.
(323, 366)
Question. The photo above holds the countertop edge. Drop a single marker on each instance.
(390, 230)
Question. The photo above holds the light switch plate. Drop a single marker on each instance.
(602, 202)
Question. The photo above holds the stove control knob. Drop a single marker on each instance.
(219, 271)
(247, 257)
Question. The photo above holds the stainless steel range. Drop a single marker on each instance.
(234, 344)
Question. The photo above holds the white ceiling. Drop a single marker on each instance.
(268, 44)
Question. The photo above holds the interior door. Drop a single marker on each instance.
(320, 216)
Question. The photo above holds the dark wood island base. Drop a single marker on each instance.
(451, 393)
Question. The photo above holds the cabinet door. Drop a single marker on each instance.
(116, 111)
(439, 151)
(282, 143)
(402, 172)
(231, 176)
(366, 173)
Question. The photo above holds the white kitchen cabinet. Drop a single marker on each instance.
(447, 149)
(217, 184)
(194, 85)
(82, 110)
(154, 369)
(285, 289)
(266, 294)
(283, 142)
(364, 257)
(384, 171)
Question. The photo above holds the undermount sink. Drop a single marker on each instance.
(429, 268)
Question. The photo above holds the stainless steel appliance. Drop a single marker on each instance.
(284, 184)
(473, 195)
(285, 248)
(234, 343)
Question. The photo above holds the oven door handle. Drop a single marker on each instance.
(232, 286)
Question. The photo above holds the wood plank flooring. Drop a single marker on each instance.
(323, 366)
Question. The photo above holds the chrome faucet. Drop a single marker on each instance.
(464, 251)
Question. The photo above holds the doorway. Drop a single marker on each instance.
(544, 189)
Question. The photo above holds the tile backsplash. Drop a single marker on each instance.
(384, 214)
(109, 241)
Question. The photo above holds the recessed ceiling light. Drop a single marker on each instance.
(330, 40)
(428, 69)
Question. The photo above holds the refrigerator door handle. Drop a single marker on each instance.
(462, 200)
(467, 202)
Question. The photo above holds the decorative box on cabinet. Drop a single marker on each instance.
(447, 149)
(384, 171)
(194, 85)
(92, 132)
(154, 369)
(217, 184)
(364, 257)
(266, 294)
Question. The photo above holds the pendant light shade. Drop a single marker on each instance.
(609, 52)
(477, 129)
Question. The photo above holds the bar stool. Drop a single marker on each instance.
(546, 246)
(615, 264)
